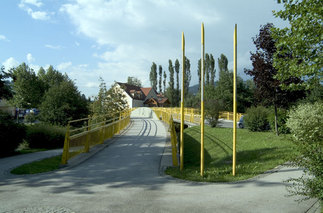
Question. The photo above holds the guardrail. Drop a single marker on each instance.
(94, 131)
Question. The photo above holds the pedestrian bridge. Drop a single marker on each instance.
(83, 134)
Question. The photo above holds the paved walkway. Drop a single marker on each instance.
(125, 177)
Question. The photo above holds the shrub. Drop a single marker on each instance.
(11, 134)
(212, 111)
(306, 124)
(30, 118)
(256, 119)
(45, 136)
(281, 121)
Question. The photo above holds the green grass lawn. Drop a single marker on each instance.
(257, 152)
(45, 165)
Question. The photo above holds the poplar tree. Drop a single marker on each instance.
(177, 65)
(160, 78)
(153, 76)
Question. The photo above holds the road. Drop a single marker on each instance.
(125, 177)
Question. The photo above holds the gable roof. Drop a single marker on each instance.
(146, 90)
(132, 89)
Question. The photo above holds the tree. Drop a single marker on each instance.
(207, 69)
(187, 78)
(160, 78)
(28, 89)
(223, 64)
(153, 76)
(61, 103)
(299, 47)
(268, 89)
(5, 89)
(164, 82)
(177, 65)
(171, 89)
(134, 81)
(108, 103)
(50, 77)
(212, 70)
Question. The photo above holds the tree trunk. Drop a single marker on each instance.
(276, 125)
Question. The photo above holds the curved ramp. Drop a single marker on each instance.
(143, 112)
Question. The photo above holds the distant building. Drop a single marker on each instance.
(140, 97)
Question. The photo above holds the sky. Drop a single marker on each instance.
(114, 39)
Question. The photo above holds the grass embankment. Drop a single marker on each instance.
(44, 165)
(257, 152)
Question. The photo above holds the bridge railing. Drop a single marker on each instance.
(93, 131)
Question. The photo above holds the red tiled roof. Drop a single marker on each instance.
(146, 90)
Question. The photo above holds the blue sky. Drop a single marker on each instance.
(89, 39)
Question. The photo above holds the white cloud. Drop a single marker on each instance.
(92, 84)
(30, 58)
(10, 63)
(36, 3)
(38, 15)
(3, 38)
(55, 47)
(64, 65)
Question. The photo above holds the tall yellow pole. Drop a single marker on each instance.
(234, 101)
(182, 106)
(202, 99)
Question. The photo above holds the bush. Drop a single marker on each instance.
(256, 119)
(30, 118)
(11, 134)
(212, 111)
(306, 124)
(45, 136)
(281, 121)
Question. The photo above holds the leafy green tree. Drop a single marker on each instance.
(61, 103)
(164, 81)
(207, 69)
(212, 70)
(299, 46)
(306, 125)
(134, 81)
(28, 89)
(5, 89)
(160, 78)
(109, 103)
(51, 77)
(171, 95)
(223, 64)
(153, 76)
(268, 88)
(187, 78)
(177, 65)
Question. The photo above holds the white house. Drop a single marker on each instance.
(139, 96)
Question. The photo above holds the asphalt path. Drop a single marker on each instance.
(125, 177)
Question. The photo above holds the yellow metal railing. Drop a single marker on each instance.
(191, 115)
(93, 132)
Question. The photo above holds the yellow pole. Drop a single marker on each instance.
(182, 106)
(202, 99)
(234, 100)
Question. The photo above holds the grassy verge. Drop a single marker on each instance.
(257, 152)
(45, 165)
(26, 151)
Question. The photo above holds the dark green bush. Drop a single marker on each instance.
(281, 121)
(256, 119)
(11, 134)
(306, 124)
(45, 136)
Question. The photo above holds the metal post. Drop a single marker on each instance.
(182, 106)
(234, 101)
(202, 99)
(65, 154)
(87, 140)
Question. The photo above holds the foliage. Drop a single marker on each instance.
(256, 119)
(109, 102)
(45, 136)
(160, 78)
(164, 81)
(63, 102)
(11, 134)
(30, 118)
(299, 46)
(171, 90)
(209, 70)
(257, 152)
(223, 64)
(28, 89)
(306, 125)
(44, 165)
(51, 77)
(177, 82)
(5, 89)
(187, 76)
(134, 81)
(153, 76)
(281, 120)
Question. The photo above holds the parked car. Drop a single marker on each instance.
(240, 123)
